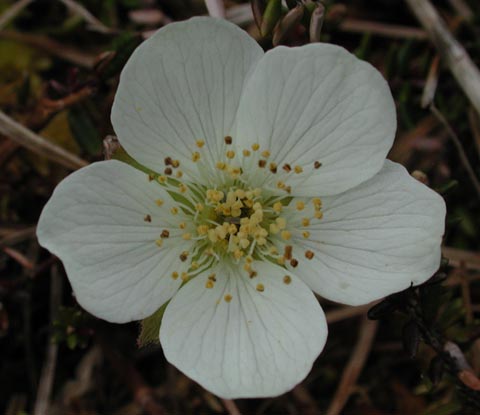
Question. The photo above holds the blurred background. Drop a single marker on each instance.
(419, 353)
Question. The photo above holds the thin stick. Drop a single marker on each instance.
(342, 313)
(44, 391)
(458, 145)
(51, 47)
(452, 52)
(94, 23)
(215, 8)
(381, 29)
(15, 236)
(462, 9)
(12, 12)
(231, 407)
(39, 145)
(474, 121)
(354, 367)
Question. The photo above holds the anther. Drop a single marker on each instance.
(255, 147)
(298, 169)
(179, 174)
(227, 298)
(287, 168)
(309, 254)
(174, 210)
(265, 153)
(200, 143)
(151, 177)
(187, 236)
(300, 205)
(287, 279)
(209, 284)
(159, 242)
(212, 277)
(175, 163)
(318, 214)
(288, 252)
(228, 140)
(147, 218)
(183, 256)
(230, 154)
(246, 153)
(273, 168)
(293, 262)
(252, 274)
(195, 156)
(262, 163)
(174, 275)
(305, 222)
(159, 202)
(306, 234)
(168, 161)
(317, 165)
(168, 171)
(165, 234)
(260, 288)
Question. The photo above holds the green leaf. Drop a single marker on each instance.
(150, 328)
(83, 130)
(123, 46)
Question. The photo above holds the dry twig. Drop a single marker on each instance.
(458, 145)
(215, 8)
(51, 47)
(231, 407)
(455, 256)
(354, 366)
(94, 23)
(44, 391)
(452, 52)
(12, 12)
(39, 145)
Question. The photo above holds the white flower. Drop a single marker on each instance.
(272, 182)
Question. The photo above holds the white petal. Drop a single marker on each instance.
(182, 85)
(95, 223)
(375, 239)
(259, 344)
(318, 103)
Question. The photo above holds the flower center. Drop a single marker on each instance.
(232, 221)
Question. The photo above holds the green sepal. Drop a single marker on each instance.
(150, 328)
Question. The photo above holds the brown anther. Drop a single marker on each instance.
(260, 288)
(228, 140)
(317, 164)
(175, 164)
(252, 274)
(262, 163)
(151, 177)
(293, 262)
(165, 234)
(147, 218)
(309, 254)
(168, 161)
(287, 167)
(212, 277)
(273, 167)
(183, 256)
(168, 171)
(287, 254)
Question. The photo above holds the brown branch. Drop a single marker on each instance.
(354, 366)
(93, 22)
(39, 145)
(451, 51)
(456, 256)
